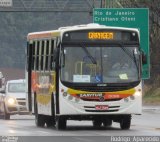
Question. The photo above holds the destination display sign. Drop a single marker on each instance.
(101, 35)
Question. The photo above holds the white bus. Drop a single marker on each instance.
(84, 72)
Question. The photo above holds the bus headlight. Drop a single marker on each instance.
(11, 101)
(137, 94)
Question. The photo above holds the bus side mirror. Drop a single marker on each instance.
(144, 58)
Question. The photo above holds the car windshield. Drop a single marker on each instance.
(86, 64)
(16, 87)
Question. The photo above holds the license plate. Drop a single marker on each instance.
(101, 107)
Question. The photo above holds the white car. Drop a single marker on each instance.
(14, 99)
(2, 82)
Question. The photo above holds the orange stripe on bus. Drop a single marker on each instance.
(35, 36)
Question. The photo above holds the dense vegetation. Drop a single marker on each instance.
(15, 26)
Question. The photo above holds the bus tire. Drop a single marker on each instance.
(107, 122)
(39, 120)
(97, 123)
(50, 121)
(61, 123)
(125, 122)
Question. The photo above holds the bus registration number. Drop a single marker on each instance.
(101, 107)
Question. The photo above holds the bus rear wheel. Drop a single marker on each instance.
(107, 122)
(125, 122)
(39, 120)
(50, 121)
(61, 123)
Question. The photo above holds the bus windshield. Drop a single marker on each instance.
(100, 64)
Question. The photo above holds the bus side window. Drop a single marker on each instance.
(47, 55)
(51, 55)
(33, 55)
(37, 55)
(42, 55)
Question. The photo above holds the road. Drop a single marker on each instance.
(147, 124)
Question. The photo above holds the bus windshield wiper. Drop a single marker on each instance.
(135, 61)
(130, 54)
(93, 60)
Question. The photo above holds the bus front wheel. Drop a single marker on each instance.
(107, 123)
(125, 122)
(97, 123)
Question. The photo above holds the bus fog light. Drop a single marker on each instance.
(137, 94)
(126, 99)
(64, 94)
(70, 97)
(132, 97)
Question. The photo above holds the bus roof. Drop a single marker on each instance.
(43, 34)
(52, 33)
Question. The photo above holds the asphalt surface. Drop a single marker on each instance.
(23, 127)
(23, 124)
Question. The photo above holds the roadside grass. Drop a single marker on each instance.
(152, 97)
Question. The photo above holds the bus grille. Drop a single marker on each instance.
(98, 100)
(101, 110)
(110, 109)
